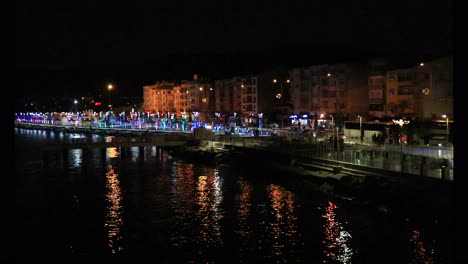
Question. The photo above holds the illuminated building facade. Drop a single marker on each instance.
(424, 90)
(159, 98)
(330, 89)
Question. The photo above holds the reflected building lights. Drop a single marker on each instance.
(135, 153)
(112, 153)
(209, 197)
(418, 252)
(336, 243)
(76, 158)
(284, 230)
(114, 216)
(244, 207)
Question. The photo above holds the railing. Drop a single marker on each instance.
(382, 159)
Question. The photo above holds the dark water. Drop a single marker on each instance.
(141, 205)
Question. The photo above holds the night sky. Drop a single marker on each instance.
(77, 47)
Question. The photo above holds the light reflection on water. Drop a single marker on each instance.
(283, 226)
(198, 211)
(196, 202)
(337, 240)
(114, 216)
(244, 207)
(76, 158)
(112, 153)
(135, 153)
(419, 253)
(209, 197)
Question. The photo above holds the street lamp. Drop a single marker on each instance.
(360, 128)
(109, 88)
(446, 117)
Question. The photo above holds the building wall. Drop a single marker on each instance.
(159, 98)
(425, 90)
(356, 90)
(265, 93)
(180, 99)
(376, 95)
(328, 89)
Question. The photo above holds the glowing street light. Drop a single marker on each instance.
(333, 124)
(446, 117)
(360, 129)
(109, 88)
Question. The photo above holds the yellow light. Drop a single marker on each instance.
(201, 88)
(274, 80)
(421, 64)
(110, 87)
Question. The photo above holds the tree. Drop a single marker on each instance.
(419, 128)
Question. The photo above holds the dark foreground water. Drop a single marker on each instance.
(141, 205)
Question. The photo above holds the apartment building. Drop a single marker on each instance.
(424, 90)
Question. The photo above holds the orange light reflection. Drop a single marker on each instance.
(336, 242)
(114, 219)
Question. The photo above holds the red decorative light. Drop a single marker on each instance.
(97, 103)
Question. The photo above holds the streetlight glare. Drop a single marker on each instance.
(109, 87)
(444, 116)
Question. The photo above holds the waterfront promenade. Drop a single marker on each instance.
(422, 161)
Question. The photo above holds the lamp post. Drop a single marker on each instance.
(446, 117)
(282, 100)
(109, 88)
(360, 128)
(400, 134)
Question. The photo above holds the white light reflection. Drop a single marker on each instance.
(209, 199)
(135, 153)
(114, 219)
(108, 139)
(153, 151)
(76, 157)
(336, 241)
